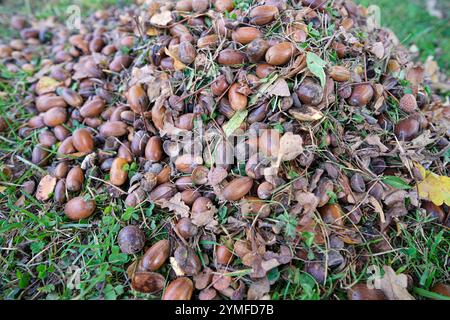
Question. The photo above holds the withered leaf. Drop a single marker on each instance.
(393, 285)
(45, 188)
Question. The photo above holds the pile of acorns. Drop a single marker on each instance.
(114, 94)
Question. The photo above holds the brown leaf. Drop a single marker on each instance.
(177, 205)
(306, 114)
(45, 188)
(279, 88)
(162, 18)
(393, 285)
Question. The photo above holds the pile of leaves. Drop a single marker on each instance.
(337, 140)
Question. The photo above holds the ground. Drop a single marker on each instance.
(42, 256)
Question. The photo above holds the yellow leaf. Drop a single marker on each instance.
(46, 85)
(433, 187)
(177, 64)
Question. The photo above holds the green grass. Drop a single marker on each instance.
(413, 25)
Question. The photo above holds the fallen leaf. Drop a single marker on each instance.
(394, 285)
(177, 64)
(306, 114)
(258, 289)
(433, 187)
(162, 19)
(279, 88)
(377, 49)
(46, 85)
(315, 65)
(291, 146)
(235, 122)
(176, 267)
(45, 188)
(177, 205)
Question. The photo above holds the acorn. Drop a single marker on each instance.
(200, 5)
(75, 179)
(245, 35)
(361, 291)
(310, 92)
(61, 170)
(219, 86)
(59, 193)
(339, 73)
(238, 101)
(265, 190)
(408, 103)
(280, 53)
(434, 210)
(256, 50)
(147, 282)
(263, 70)
(187, 52)
(55, 116)
(361, 95)
(187, 162)
(137, 98)
(117, 175)
(153, 149)
(113, 129)
(224, 5)
(163, 191)
(179, 289)
(407, 129)
(442, 289)
(92, 108)
(71, 97)
(39, 155)
(78, 208)
(230, 57)
(262, 15)
(83, 140)
(223, 255)
(237, 188)
(186, 228)
(155, 256)
(332, 214)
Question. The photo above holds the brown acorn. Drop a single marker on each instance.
(118, 176)
(263, 14)
(179, 289)
(230, 57)
(78, 208)
(361, 95)
(407, 129)
(237, 188)
(155, 256)
(245, 35)
(137, 98)
(75, 179)
(83, 140)
(280, 54)
(238, 101)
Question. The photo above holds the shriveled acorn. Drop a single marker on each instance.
(131, 239)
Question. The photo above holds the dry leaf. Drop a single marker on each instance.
(377, 49)
(306, 114)
(177, 64)
(393, 285)
(433, 187)
(162, 19)
(279, 88)
(46, 85)
(177, 205)
(291, 146)
(45, 188)
(176, 267)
